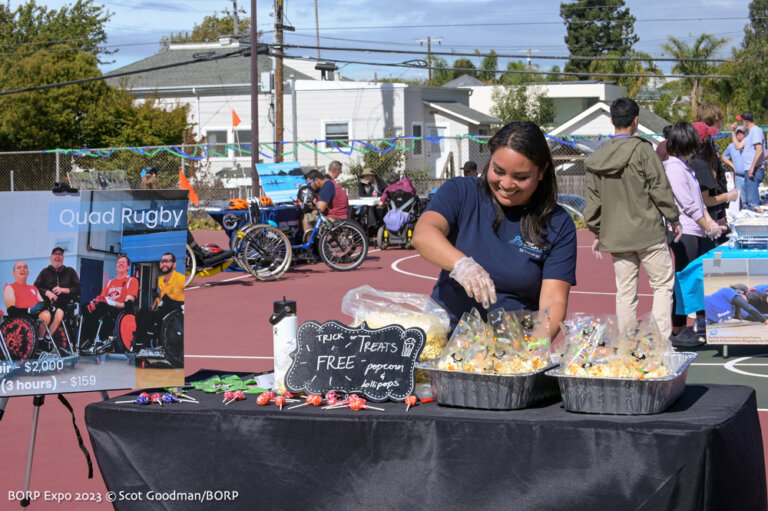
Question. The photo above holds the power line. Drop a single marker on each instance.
(507, 71)
(510, 56)
(118, 75)
(518, 23)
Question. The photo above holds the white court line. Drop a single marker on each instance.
(245, 276)
(395, 267)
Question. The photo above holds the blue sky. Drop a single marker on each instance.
(514, 26)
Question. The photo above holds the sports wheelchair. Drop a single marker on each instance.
(19, 340)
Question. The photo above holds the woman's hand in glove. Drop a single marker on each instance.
(475, 281)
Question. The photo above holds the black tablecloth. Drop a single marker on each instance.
(704, 453)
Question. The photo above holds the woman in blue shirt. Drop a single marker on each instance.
(502, 239)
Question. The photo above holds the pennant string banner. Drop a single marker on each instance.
(271, 150)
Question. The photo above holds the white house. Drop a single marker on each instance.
(596, 121)
(338, 110)
(569, 98)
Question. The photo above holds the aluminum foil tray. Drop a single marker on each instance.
(490, 391)
(619, 396)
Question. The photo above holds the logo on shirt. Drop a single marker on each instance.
(528, 248)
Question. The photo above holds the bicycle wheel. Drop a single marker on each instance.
(190, 266)
(343, 245)
(264, 251)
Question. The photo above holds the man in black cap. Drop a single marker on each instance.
(57, 283)
(752, 149)
(470, 169)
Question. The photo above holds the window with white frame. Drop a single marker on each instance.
(416, 131)
(336, 130)
(216, 136)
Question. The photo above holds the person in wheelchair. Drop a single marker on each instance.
(117, 295)
(332, 201)
(58, 284)
(170, 289)
(402, 201)
(22, 299)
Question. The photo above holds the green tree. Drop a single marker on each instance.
(522, 103)
(757, 29)
(463, 66)
(704, 47)
(633, 84)
(210, 29)
(752, 60)
(489, 65)
(519, 74)
(440, 72)
(92, 114)
(596, 27)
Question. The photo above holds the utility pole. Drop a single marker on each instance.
(236, 28)
(429, 52)
(278, 79)
(254, 102)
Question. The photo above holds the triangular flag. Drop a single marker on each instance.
(184, 185)
(235, 119)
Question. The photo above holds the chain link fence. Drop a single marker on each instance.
(219, 172)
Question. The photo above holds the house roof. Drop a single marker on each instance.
(648, 121)
(464, 80)
(463, 112)
(202, 72)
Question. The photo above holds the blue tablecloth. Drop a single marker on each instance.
(689, 284)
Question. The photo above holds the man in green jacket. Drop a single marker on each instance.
(628, 197)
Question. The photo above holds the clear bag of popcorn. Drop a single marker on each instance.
(382, 308)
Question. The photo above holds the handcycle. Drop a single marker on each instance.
(260, 249)
(340, 244)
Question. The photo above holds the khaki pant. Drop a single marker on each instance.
(661, 272)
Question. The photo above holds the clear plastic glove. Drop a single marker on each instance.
(715, 230)
(595, 250)
(111, 302)
(475, 281)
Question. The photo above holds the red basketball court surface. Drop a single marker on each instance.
(227, 329)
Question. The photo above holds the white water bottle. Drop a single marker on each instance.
(285, 323)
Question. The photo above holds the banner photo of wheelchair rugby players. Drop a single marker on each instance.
(93, 290)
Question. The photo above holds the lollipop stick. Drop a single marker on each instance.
(296, 406)
(123, 402)
(375, 408)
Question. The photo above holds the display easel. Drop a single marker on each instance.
(37, 402)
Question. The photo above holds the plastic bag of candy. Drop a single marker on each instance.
(382, 308)
(509, 343)
(595, 347)
(469, 337)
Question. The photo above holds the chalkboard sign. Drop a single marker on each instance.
(378, 363)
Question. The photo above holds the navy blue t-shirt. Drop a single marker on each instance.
(327, 192)
(516, 266)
